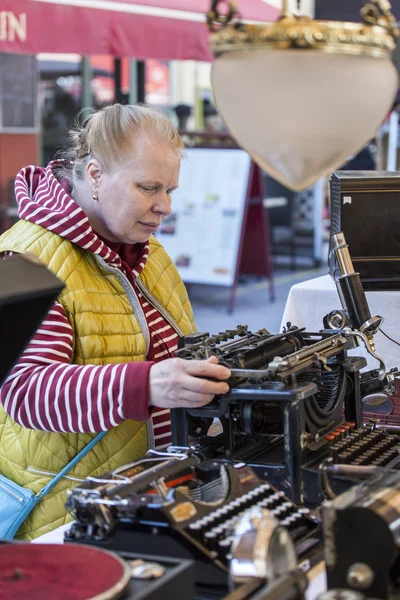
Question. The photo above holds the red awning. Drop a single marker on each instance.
(163, 29)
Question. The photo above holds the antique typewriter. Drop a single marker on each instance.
(287, 436)
(293, 416)
(182, 506)
(295, 402)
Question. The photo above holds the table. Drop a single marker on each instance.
(306, 306)
(316, 576)
(308, 302)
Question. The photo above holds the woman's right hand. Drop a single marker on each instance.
(179, 383)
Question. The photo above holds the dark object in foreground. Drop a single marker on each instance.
(362, 538)
(27, 292)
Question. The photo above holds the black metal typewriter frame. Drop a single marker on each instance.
(290, 476)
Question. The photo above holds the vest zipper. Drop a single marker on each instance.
(133, 299)
(11, 493)
(153, 300)
(141, 319)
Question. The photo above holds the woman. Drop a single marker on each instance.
(101, 360)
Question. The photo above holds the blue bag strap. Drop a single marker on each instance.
(71, 464)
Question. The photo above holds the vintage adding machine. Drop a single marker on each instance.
(181, 506)
(295, 397)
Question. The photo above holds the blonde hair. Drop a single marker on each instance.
(107, 135)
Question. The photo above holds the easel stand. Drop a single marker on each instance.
(221, 196)
(254, 255)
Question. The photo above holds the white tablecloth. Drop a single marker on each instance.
(308, 302)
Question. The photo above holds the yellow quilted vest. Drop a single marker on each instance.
(109, 328)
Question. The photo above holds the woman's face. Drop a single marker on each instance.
(135, 194)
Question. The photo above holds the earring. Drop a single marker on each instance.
(95, 196)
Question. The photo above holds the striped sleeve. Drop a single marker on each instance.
(163, 343)
(45, 391)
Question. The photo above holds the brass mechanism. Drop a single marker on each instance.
(216, 20)
(375, 36)
(379, 12)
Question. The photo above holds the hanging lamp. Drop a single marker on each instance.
(300, 95)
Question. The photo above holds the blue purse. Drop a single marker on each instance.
(17, 502)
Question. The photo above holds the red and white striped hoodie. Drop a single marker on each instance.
(45, 390)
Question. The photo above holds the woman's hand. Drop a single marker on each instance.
(178, 383)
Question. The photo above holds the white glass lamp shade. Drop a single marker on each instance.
(302, 113)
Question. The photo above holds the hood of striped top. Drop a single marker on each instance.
(44, 200)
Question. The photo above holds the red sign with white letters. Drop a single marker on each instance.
(141, 29)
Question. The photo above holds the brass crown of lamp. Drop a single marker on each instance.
(300, 95)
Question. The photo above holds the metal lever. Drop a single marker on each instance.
(382, 367)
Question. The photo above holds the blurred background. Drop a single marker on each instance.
(41, 92)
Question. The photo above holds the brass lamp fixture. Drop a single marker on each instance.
(300, 95)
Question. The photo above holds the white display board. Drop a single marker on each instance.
(202, 233)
